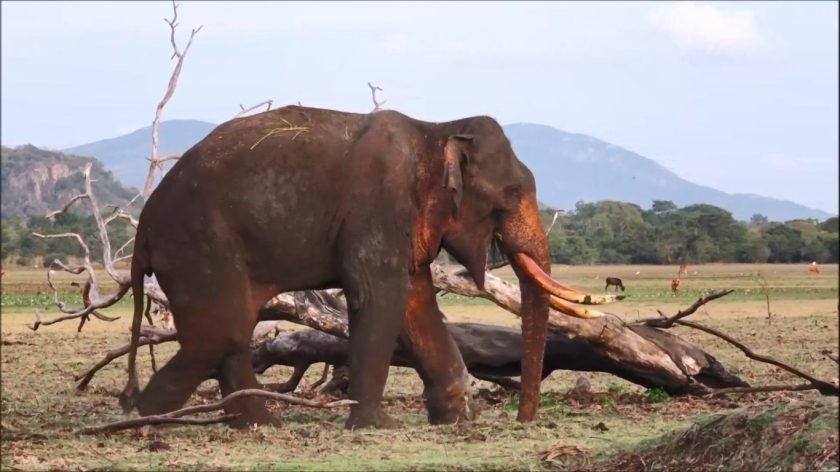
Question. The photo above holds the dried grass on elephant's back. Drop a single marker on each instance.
(799, 436)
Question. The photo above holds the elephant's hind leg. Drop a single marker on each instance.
(214, 326)
(170, 387)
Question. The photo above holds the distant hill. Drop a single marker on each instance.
(36, 181)
(573, 167)
(125, 155)
(568, 168)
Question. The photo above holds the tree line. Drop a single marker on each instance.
(605, 232)
(611, 232)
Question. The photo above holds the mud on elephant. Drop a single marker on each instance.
(303, 198)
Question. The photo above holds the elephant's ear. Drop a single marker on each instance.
(455, 153)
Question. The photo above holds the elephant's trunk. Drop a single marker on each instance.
(523, 239)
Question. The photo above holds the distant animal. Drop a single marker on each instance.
(813, 269)
(683, 269)
(615, 282)
(675, 285)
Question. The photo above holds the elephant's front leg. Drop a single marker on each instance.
(376, 298)
(436, 356)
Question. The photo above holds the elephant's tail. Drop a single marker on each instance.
(140, 267)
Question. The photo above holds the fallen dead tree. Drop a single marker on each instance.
(491, 353)
(643, 355)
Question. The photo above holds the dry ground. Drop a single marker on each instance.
(38, 395)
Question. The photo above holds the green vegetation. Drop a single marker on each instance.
(19, 243)
(656, 395)
(610, 232)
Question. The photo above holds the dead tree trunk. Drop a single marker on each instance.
(493, 353)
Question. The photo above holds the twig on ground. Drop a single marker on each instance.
(666, 322)
(177, 414)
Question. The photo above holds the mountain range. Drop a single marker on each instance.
(568, 168)
(36, 181)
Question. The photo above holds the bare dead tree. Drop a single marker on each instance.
(94, 300)
(155, 161)
(377, 105)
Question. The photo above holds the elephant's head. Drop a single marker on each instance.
(492, 196)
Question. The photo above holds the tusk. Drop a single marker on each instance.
(571, 310)
(555, 288)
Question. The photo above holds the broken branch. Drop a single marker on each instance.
(166, 417)
(244, 111)
(377, 105)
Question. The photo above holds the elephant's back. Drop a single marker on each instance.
(284, 136)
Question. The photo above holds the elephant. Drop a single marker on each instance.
(301, 198)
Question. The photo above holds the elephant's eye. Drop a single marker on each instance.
(512, 195)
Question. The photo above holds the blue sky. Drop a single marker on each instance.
(740, 96)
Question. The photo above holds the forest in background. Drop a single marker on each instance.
(605, 232)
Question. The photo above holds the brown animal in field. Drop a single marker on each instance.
(675, 285)
(683, 269)
(813, 269)
(615, 282)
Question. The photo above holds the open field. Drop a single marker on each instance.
(38, 394)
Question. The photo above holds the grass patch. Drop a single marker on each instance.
(656, 395)
(799, 436)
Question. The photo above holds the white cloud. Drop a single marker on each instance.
(707, 29)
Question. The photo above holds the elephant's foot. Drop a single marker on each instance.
(370, 418)
(250, 411)
(448, 408)
(128, 397)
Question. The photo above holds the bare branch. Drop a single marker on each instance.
(766, 388)
(114, 298)
(553, 220)
(86, 266)
(166, 417)
(667, 322)
(170, 90)
(67, 205)
(831, 356)
(823, 387)
(149, 335)
(244, 111)
(376, 104)
(122, 248)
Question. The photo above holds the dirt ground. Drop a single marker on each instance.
(618, 421)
